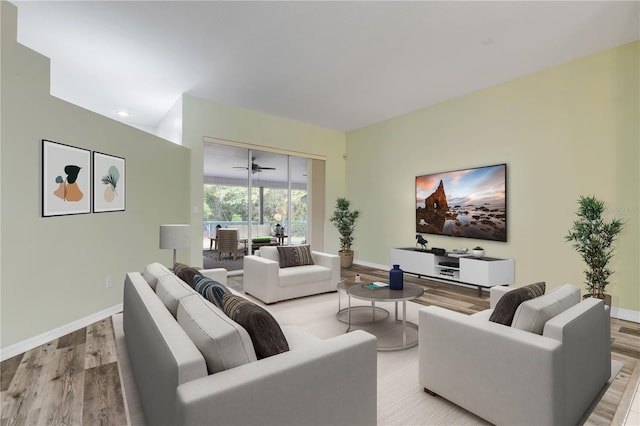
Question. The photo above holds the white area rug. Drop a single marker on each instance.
(401, 400)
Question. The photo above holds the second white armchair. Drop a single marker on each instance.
(265, 279)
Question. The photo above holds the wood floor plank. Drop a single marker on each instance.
(103, 402)
(74, 338)
(8, 370)
(24, 396)
(62, 402)
(101, 344)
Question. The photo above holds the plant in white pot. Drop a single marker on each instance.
(593, 238)
(478, 251)
(345, 221)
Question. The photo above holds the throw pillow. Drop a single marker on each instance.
(185, 272)
(294, 256)
(210, 290)
(506, 307)
(265, 332)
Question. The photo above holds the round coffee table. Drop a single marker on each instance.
(359, 314)
(385, 294)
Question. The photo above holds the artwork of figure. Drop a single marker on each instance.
(68, 189)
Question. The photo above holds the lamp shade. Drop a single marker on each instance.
(175, 236)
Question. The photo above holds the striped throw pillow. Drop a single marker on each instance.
(211, 290)
(294, 256)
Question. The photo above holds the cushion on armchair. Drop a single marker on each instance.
(294, 256)
(508, 304)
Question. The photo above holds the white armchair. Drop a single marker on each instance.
(264, 279)
(510, 376)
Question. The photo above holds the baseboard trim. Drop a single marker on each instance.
(625, 314)
(56, 333)
(618, 313)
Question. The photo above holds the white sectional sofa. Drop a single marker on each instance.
(544, 369)
(175, 337)
(266, 280)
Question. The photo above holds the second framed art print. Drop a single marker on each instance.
(109, 183)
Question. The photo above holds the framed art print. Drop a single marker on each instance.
(109, 183)
(66, 177)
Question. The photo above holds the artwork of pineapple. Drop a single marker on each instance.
(111, 181)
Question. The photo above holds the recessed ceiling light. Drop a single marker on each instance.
(122, 113)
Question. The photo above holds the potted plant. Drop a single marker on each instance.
(478, 251)
(345, 221)
(593, 238)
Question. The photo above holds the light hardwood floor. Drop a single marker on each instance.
(76, 379)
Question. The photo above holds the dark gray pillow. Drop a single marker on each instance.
(210, 290)
(508, 304)
(294, 256)
(264, 331)
(185, 272)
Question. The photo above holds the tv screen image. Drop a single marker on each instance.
(468, 203)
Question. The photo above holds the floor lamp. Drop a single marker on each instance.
(175, 237)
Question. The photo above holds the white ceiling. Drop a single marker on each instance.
(340, 65)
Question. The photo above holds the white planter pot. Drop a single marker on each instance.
(478, 253)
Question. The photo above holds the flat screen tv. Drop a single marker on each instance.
(468, 203)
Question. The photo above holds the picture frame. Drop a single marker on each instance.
(66, 179)
(109, 183)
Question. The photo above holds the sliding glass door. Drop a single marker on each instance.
(264, 194)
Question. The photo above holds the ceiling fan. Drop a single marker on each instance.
(255, 168)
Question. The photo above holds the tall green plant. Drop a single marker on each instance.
(593, 238)
(345, 221)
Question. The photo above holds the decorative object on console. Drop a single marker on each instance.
(593, 238)
(174, 237)
(478, 251)
(420, 240)
(396, 278)
(478, 210)
(345, 221)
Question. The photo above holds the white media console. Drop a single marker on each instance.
(482, 272)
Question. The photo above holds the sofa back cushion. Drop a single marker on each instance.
(533, 314)
(153, 272)
(270, 253)
(294, 256)
(170, 289)
(223, 343)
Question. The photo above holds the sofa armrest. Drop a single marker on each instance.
(331, 261)
(477, 364)
(216, 274)
(496, 292)
(333, 382)
(261, 277)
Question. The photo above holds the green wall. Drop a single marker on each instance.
(202, 118)
(53, 270)
(563, 132)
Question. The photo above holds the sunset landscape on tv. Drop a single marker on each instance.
(468, 203)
